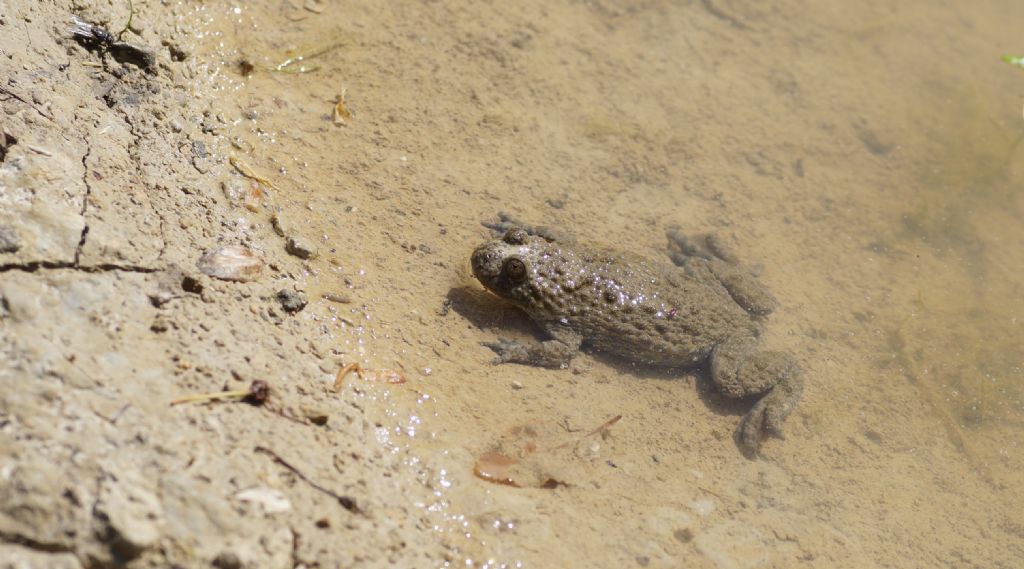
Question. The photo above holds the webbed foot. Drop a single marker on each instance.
(766, 417)
(740, 371)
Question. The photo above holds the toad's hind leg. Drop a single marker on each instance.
(707, 259)
(739, 370)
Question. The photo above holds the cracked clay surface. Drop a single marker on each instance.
(106, 204)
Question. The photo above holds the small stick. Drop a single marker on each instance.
(257, 394)
(346, 502)
(245, 170)
(376, 375)
(336, 297)
(603, 426)
(593, 432)
(287, 66)
(39, 150)
(339, 379)
(113, 418)
(238, 394)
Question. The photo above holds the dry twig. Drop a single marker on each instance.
(346, 502)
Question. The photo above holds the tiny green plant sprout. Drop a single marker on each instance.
(1015, 60)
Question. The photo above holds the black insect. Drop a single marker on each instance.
(87, 32)
(97, 38)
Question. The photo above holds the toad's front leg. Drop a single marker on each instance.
(555, 353)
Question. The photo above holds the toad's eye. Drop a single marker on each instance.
(515, 269)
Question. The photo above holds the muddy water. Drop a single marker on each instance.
(867, 157)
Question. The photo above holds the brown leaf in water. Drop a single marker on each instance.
(495, 467)
(367, 374)
(523, 455)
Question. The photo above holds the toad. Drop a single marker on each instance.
(707, 308)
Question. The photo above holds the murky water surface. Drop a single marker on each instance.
(868, 156)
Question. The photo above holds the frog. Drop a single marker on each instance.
(705, 308)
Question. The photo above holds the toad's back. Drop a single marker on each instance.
(625, 304)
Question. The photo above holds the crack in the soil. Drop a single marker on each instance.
(163, 239)
(133, 149)
(24, 541)
(85, 201)
(34, 266)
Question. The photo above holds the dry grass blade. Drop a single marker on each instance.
(346, 502)
(247, 171)
(257, 394)
(341, 111)
(294, 64)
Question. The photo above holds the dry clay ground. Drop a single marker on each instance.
(108, 197)
(115, 180)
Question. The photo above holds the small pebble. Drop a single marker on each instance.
(160, 325)
(291, 301)
(9, 240)
(231, 263)
(279, 224)
(684, 535)
(300, 248)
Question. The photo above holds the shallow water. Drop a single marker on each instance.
(867, 157)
